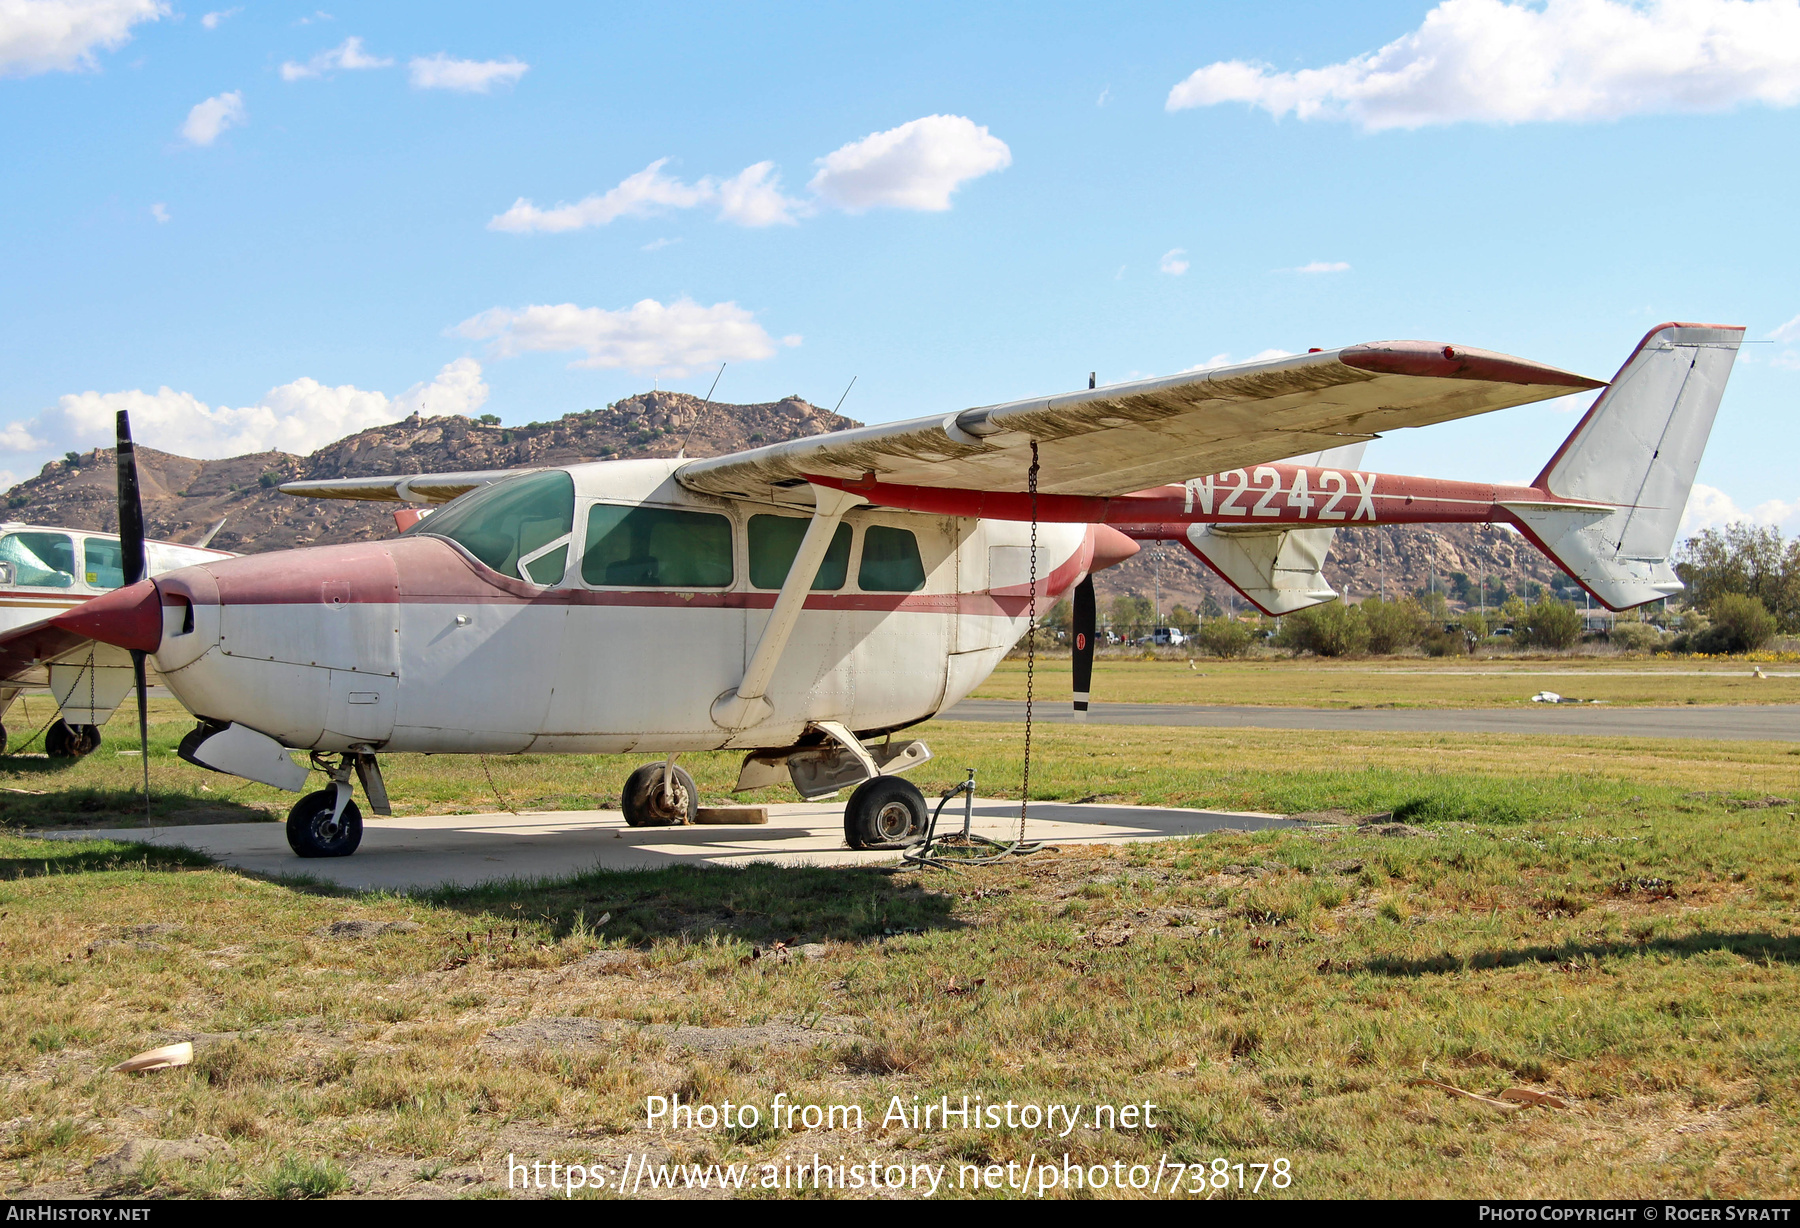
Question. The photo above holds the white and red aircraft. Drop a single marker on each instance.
(805, 601)
(47, 569)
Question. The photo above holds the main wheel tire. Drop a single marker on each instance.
(65, 741)
(2, 739)
(311, 833)
(61, 741)
(643, 802)
(887, 812)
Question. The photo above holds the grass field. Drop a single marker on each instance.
(1408, 682)
(1612, 923)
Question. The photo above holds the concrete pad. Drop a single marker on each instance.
(464, 850)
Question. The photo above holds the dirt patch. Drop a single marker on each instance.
(780, 1033)
(364, 929)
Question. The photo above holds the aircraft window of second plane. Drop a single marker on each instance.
(40, 560)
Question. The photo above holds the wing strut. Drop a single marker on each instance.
(746, 706)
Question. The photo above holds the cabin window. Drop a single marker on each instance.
(656, 547)
(520, 523)
(890, 561)
(105, 562)
(40, 560)
(775, 540)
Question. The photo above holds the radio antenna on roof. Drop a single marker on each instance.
(847, 388)
(699, 413)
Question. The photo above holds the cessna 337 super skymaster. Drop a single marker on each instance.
(758, 601)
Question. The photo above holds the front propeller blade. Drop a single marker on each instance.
(131, 544)
(1083, 656)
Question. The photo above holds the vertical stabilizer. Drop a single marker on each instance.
(1633, 457)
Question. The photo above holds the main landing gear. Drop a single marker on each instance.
(63, 741)
(648, 803)
(886, 812)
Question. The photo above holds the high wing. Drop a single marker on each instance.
(1130, 437)
(1106, 441)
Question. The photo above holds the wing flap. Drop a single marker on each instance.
(1129, 437)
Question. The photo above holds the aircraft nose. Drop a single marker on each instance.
(129, 617)
(1110, 547)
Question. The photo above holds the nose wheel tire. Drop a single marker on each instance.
(311, 833)
(643, 802)
(887, 812)
(63, 741)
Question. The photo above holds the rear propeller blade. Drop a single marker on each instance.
(1083, 656)
(131, 544)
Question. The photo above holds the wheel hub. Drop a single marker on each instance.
(893, 820)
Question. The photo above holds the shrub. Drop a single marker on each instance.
(1393, 625)
(1550, 623)
(1330, 630)
(1635, 637)
(1224, 637)
(1739, 624)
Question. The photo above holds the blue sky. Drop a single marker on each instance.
(276, 224)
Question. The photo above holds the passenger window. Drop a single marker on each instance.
(522, 522)
(40, 560)
(105, 562)
(890, 561)
(656, 547)
(775, 540)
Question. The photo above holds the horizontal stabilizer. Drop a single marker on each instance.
(1277, 570)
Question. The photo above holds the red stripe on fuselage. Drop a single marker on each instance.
(435, 571)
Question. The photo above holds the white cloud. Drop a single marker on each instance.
(211, 20)
(1226, 360)
(440, 72)
(915, 166)
(753, 197)
(1174, 261)
(159, 211)
(644, 337)
(62, 35)
(209, 118)
(1572, 60)
(1709, 508)
(656, 245)
(1105, 95)
(1322, 266)
(348, 55)
(300, 417)
(644, 194)
(1787, 334)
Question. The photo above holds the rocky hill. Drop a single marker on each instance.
(182, 497)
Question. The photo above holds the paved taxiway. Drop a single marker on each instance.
(467, 849)
(1743, 723)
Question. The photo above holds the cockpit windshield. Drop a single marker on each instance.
(519, 527)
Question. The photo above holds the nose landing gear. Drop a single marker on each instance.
(317, 828)
(328, 823)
